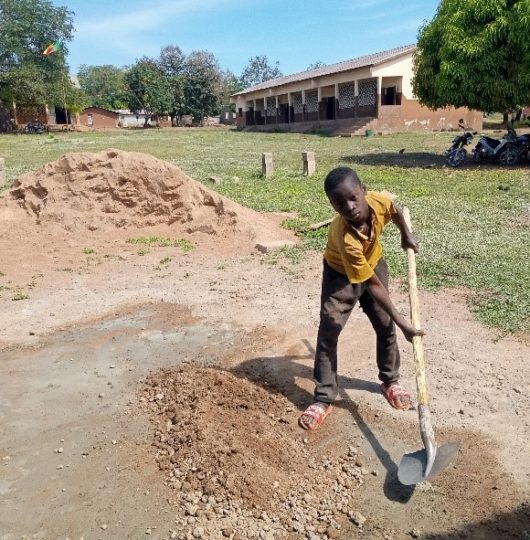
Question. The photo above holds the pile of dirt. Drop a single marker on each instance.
(237, 461)
(114, 188)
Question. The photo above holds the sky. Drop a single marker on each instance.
(296, 33)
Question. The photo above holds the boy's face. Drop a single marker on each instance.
(348, 199)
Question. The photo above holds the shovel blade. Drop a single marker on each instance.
(412, 467)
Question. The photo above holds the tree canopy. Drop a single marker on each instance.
(316, 65)
(202, 82)
(104, 85)
(27, 27)
(259, 70)
(148, 88)
(476, 55)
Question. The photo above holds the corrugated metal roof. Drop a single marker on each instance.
(347, 65)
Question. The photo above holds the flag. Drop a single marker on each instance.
(53, 48)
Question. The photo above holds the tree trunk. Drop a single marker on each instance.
(505, 115)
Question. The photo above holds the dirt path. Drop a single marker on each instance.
(75, 355)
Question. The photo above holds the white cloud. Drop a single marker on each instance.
(131, 33)
(160, 12)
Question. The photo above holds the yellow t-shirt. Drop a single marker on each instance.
(352, 253)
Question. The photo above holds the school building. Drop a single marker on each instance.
(370, 92)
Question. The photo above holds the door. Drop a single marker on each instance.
(389, 96)
(330, 108)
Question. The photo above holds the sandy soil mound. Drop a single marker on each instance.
(232, 453)
(114, 188)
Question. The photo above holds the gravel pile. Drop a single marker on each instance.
(240, 466)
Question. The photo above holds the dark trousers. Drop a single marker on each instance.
(338, 298)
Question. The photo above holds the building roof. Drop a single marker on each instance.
(347, 65)
(100, 108)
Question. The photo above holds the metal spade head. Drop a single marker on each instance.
(420, 466)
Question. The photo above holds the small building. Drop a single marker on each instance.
(98, 117)
(24, 113)
(227, 116)
(370, 92)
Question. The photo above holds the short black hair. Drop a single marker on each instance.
(339, 175)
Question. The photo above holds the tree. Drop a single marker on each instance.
(201, 86)
(259, 70)
(229, 84)
(104, 86)
(147, 88)
(171, 62)
(315, 65)
(27, 27)
(476, 55)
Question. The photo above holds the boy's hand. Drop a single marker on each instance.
(408, 240)
(409, 331)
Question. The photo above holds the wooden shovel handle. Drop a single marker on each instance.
(417, 342)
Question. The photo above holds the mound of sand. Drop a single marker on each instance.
(237, 460)
(113, 188)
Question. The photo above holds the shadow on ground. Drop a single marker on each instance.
(406, 160)
(514, 525)
(283, 379)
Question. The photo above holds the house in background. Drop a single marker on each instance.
(43, 113)
(371, 92)
(227, 116)
(98, 117)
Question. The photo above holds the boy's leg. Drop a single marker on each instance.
(388, 359)
(337, 300)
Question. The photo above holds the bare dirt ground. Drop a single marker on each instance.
(152, 393)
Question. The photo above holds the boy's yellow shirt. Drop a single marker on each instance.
(352, 253)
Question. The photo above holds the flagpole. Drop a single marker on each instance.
(64, 88)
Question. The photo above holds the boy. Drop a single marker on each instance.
(354, 270)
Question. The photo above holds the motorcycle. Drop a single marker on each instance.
(456, 153)
(522, 143)
(35, 127)
(503, 151)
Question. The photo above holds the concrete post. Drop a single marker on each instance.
(267, 167)
(356, 98)
(378, 96)
(319, 100)
(309, 163)
(2, 171)
(336, 108)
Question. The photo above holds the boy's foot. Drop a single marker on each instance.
(314, 415)
(396, 396)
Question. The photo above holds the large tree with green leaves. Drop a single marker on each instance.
(27, 27)
(259, 70)
(104, 86)
(228, 84)
(171, 63)
(475, 54)
(147, 88)
(201, 85)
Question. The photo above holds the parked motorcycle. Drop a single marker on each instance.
(503, 151)
(35, 127)
(456, 153)
(522, 143)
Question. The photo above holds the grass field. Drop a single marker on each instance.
(473, 222)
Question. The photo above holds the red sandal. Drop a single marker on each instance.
(318, 412)
(396, 396)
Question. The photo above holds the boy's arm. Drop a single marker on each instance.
(408, 240)
(378, 291)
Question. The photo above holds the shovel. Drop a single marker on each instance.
(432, 459)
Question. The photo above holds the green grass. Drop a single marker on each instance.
(162, 242)
(89, 250)
(472, 233)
